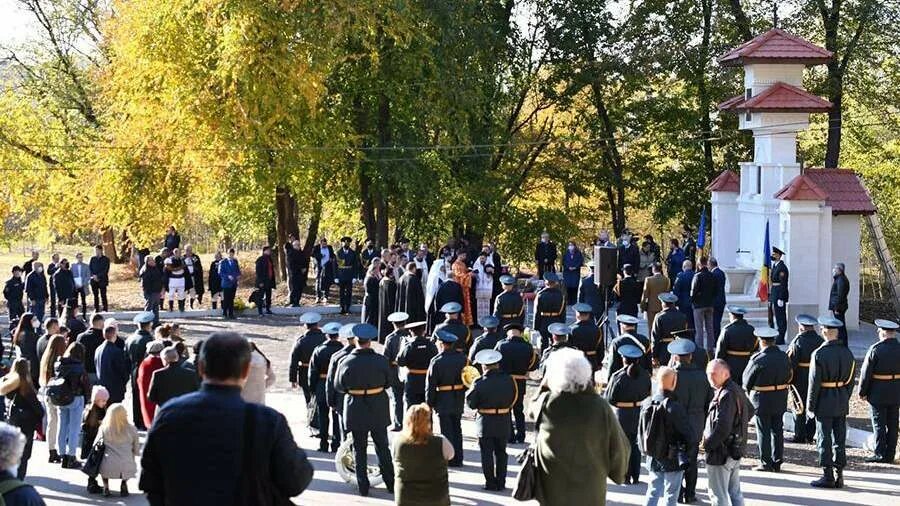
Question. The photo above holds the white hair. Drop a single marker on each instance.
(12, 443)
(568, 371)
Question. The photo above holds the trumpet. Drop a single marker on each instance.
(469, 375)
(795, 402)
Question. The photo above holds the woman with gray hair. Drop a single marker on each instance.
(573, 412)
(12, 443)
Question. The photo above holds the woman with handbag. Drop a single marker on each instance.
(25, 411)
(56, 347)
(70, 369)
(90, 425)
(121, 446)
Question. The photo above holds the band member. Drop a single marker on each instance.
(586, 335)
(317, 376)
(491, 397)
(879, 385)
(415, 355)
(737, 342)
(455, 325)
(509, 306)
(626, 390)
(298, 370)
(799, 352)
(767, 379)
(489, 339)
(445, 392)
(627, 335)
(519, 358)
(392, 346)
(549, 307)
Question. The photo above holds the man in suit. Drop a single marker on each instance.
(265, 280)
(719, 302)
(297, 263)
(172, 380)
(325, 271)
(99, 269)
(81, 273)
(778, 292)
(545, 255)
(654, 285)
(837, 300)
(223, 448)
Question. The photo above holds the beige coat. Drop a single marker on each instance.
(119, 457)
(653, 286)
(261, 377)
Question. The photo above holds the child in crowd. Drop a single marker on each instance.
(90, 426)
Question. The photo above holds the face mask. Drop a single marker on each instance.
(35, 323)
(835, 272)
(544, 240)
(39, 269)
(571, 247)
(626, 243)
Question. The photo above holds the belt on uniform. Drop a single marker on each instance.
(739, 353)
(667, 340)
(511, 315)
(519, 376)
(393, 364)
(592, 352)
(803, 364)
(886, 377)
(494, 411)
(550, 313)
(450, 388)
(776, 284)
(771, 388)
(346, 267)
(366, 391)
(417, 371)
(304, 364)
(834, 384)
(323, 375)
(626, 404)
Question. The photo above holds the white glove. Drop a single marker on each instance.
(780, 303)
(336, 281)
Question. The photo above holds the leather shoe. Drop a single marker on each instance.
(764, 468)
(875, 459)
(489, 486)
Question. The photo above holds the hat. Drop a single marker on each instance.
(155, 347)
(583, 307)
(765, 333)
(667, 297)
(805, 319)
(451, 307)
(737, 310)
(488, 357)
(310, 318)
(886, 324)
(331, 328)
(346, 331)
(830, 322)
(559, 329)
(506, 279)
(445, 337)
(630, 351)
(414, 325)
(346, 238)
(681, 346)
(364, 331)
(110, 323)
(398, 316)
(513, 326)
(627, 319)
(489, 322)
(143, 317)
(551, 277)
(775, 249)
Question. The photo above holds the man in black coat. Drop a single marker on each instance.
(445, 392)
(265, 280)
(14, 293)
(837, 299)
(91, 339)
(667, 322)
(112, 366)
(549, 307)
(491, 396)
(316, 378)
(879, 385)
(241, 452)
(325, 269)
(545, 255)
(363, 376)
(347, 269)
(518, 359)
(99, 269)
(415, 355)
(587, 336)
(136, 350)
(449, 291)
(151, 275)
(704, 289)
(64, 283)
(799, 352)
(172, 380)
(630, 291)
(410, 295)
(297, 263)
(629, 252)
(720, 302)
(737, 342)
(509, 307)
(590, 293)
(693, 391)
(767, 379)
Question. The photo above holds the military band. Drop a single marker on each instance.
(488, 339)
(800, 353)
(415, 355)
(667, 322)
(492, 397)
(587, 336)
(737, 342)
(766, 379)
(509, 307)
(518, 359)
(393, 343)
(626, 390)
(445, 392)
(627, 335)
(549, 307)
(879, 385)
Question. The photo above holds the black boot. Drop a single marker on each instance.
(124, 490)
(826, 481)
(93, 487)
(171, 306)
(839, 479)
(54, 457)
(214, 305)
(181, 305)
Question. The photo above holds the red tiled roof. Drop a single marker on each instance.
(780, 97)
(776, 45)
(727, 181)
(841, 189)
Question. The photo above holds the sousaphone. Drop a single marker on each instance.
(345, 463)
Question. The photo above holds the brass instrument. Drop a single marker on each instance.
(795, 402)
(469, 374)
(345, 464)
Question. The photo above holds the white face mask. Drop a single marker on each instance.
(39, 269)
(571, 247)
(35, 323)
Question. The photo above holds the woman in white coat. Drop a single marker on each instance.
(261, 377)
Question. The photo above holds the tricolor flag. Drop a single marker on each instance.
(763, 291)
(701, 235)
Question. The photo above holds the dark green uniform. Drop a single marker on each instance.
(735, 346)
(318, 374)
(669, 320)
(519, 358)
(625, 394)
(778, 297)
(880, 386)
(767, 379)
(800, 353)
(486, 341)
(549, 307)
(614, 359)
(392, 345)
(445, 393)
(416, 355)
(492, 396)
(587, 337)
(509, 308)
(830, 386)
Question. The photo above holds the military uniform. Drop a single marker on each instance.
(830, 386)
(667, 321)
(445, 393)
(318, 374)
(492, 396)
(486, 341)
(415, 355)
(735, 346)
(518, 359)
(800, 352)
(456, 327)
(614, 358)
(549, 307)
(778, 297)
(879, 384)
(587, 337)
(589, 293)
(693, 391)
(347, 265)
(545, 355)
(392, 346)
(298, 370)
(625, 394)
(333, 396)
(509, 307)
(767, 379)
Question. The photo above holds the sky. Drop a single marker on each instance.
(14, 24)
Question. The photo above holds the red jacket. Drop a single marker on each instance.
(145, 374)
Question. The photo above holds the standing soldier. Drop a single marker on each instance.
(627, 335)
(626, 390)
(767, 379)
(455, 325)
(666, 322)
(559, 339)
(298, 369)
(364, 376)
(347, 265)
(693, 391)
(491, 397)
(488, 340)
(335, 398)
(519, 358)
(392, 346)
(586, 335)
(737, 342)
(830, 386)
(415, 355)
(509, 306)
(549, 307)
(318, 374)
(799, 352)
(880, 387)
(445, 392)
(778, 293)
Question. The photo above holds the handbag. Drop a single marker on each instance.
(91, 465)
(528, 486)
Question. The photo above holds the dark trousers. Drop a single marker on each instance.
(265, 300)
(326, 415)
(323, 283)
(831, 435)
(16, 309)
(780, 314)
(99, 291)
(518, 421)
(689, 488)
(295, 288)
(26, 453)
(842, 330)
(718, 312)
(451, 428)
(54, 307)
(81, 293)
(804, 427)
(884, 423)
(37, 309)
(151, 303)
(382, 450)
(228, 301)
(397, 394)
(770, 439)
(571, 295)
(493, 460)
(346, 293)
(136, 402)
(304, 382)
(634, 459)
(412, 397)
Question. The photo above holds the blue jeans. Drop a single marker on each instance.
(70, 426)
(663, 488)
(725, 484)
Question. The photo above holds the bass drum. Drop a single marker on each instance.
(346, 465)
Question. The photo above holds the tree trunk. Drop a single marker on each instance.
(108, 240)
(312, 230)
(830, 22)
(615, 192)
(740, 20)
(703, 93)
(286, 227)
(385, 139)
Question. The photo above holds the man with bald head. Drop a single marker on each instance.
(725, 435)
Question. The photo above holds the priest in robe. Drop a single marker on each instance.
(387, 302)
(371, 283)
(410, 296)
(464, 277)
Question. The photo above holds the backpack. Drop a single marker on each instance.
(7, 486)
(60, 392)
(653, 437)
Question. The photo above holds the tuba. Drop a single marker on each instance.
(345, 464)
(795, 402)
(469, 375)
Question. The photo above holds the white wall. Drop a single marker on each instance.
(807, 253)
(846, 248)
(725, 228)
(760, 76)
